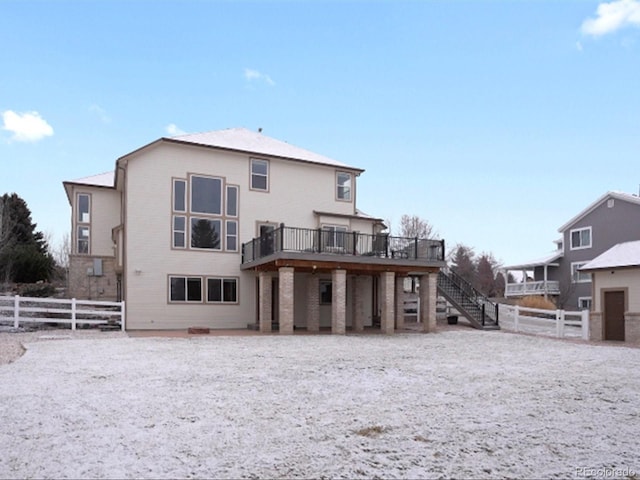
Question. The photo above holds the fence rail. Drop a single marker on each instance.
(558, 323)
(19, 309)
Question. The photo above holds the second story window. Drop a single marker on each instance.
(259, 174)
(580, 238)
(343, 186)
(206, 195)
(83, 223)
(84, 208)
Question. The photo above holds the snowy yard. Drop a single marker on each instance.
(453, 404)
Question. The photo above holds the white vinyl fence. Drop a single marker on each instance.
(19, 309)
(557, 323)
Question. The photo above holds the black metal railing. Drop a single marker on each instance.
(338, 242)
(468, 298)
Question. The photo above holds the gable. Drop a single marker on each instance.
(615, 196)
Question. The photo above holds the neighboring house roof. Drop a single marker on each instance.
(625, 254)
(101, 180)
(358, 214)
(244, 140)
(625, 197)
(540, 262)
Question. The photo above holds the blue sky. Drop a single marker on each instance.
(496, 121)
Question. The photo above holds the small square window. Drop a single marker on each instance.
(205, 233)
(185, 289)
(580, 238)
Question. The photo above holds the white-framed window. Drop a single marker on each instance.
(231, 228)
(84, 208)
(343, 186)
(580, 238)
(179, 231)
(206, 195)
(200, 223)
(185, 289)
(259, 174)
(584, 303)
(179, 195)
(577, 276)
(83, 239)
(232, 201)
(222, 290)
(206, 233)
(334, 236)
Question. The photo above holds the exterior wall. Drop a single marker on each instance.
(295, 190)
(617, 279)
(88, 287)
(104, 216)
(625, 216)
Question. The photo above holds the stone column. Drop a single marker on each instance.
(339, 302)
(387, 294)
(285, 299)
(399, 303)
(632, 327)
(359, 287)
(264, 301)
(428, 299)
(313, 303)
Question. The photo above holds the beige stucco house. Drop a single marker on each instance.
(615, 277)
(229, 228)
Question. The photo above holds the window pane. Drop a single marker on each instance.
(232, 201)
(259, 174)
(178, 289)
(206, 195)
(205, 233)
(229, 286)
(194, 289)
(575, 239)
(83, 239)
(83, 209)
(585, 238)
(179, 223)
(344, 186)
(179, 195)
(232, 236)
(178, 240)
(214, 290)
(325, 293)
(259, 166)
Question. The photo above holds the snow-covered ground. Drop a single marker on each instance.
(459, 403)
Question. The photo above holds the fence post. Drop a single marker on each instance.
(122, 315)
(516, 318)
(585, 324)
(16, 311)
(73, 314)
(559, 323)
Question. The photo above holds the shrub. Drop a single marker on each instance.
(39, 289)
(537, 301)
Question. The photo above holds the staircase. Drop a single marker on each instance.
(473, 305)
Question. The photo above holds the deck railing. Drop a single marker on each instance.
(532, 288)
(325, 241)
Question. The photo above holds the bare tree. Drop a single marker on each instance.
(412, 226)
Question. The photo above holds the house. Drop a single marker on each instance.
(615, 284)
(612, 219)
(228, 228)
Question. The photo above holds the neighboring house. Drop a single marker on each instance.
(613, 218)
(615, 311)
(228, 228)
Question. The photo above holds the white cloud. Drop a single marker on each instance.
(252, 75)
(100, 112)
(26, 127)
(173, 130)
(613, 16)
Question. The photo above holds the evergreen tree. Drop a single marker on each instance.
(204, 235)
(24, 253)
(462, 263)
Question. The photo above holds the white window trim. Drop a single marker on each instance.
(348, 199)
(334, 229)
(174, 231)
(580, 299)
(251, 174)
(186, 195)
(88, 239)
(227, 235)
(222, 196)
(575, 273)
(186, 292)
(79, 220)
(226, 200)
(582, 247)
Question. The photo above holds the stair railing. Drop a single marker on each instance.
(473, 295)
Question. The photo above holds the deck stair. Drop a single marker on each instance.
(473, 305)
